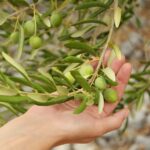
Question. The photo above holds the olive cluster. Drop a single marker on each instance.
(30, 26)
(102, 84)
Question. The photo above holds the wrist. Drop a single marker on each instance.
(24, 132)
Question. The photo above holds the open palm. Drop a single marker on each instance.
(88, 125)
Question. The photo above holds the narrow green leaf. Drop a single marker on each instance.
(52, 101)
(100, 103)
(8, 106)
(7, 91)
(117, 16)
(109, 73)
(90, 21)
(40, 97)
(19, 3)
(3, 17)
(73, 59)
(80, 45)
(13, 99)
(62, 90)
(12, 62)
(139, 102)
(117, 51)
(21, 41)
(85, 85)
(80, 33)
(60, 74)
(48, 76)
(46, 21)
(89, 4)
(82, 106)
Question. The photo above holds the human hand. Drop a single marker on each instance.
(89, 124)
(49, 126)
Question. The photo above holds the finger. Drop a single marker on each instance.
(122, 79)
(117, 64)
(112, 122)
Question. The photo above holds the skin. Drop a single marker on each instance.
(42, 128)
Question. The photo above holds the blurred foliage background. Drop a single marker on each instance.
(133, 38)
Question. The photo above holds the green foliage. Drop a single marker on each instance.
(47, 47)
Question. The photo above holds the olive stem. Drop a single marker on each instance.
(103, 52)
(35, 26)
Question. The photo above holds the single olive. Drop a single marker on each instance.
(14, 37)
(29, 27)
(35, 42)
(100, 83)
(86, 70)
(69, 77)
(110, 95)
(56, 19)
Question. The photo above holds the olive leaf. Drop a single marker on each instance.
(12, 62)
(85, 85)
(139, 102)
(89, 4)
(110, 76)
(117, 51)
(53, 100)
(38, 97)
(13, 99)
(60, 74)
(79, 33)
(48, 76)
(46, 21)
(3, 17)
(82, 105)
(18, 2)
(21, 41)
(80, 45)
(7, 91)
(117, 16)
(71, 67)
(73, 59)
(90, 21)
(111, 58)
(100, 102)
(62, 90)
(8, 106)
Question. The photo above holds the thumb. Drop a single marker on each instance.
(112, 122)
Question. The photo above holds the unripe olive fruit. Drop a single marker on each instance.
(69, 77)
(56, 19)
(14, 37)
(29, 27)
(110, 95)
(86, 70)
(35, 42)
(100, 83)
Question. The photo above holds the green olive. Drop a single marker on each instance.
(69, 77)
(86, 70)
(29, 27)
(100, 83)
(35, 42)
(56, 19)
(14, 37)
(110, 95)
